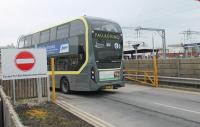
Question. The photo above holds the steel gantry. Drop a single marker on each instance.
(161, 32)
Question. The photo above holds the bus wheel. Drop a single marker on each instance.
(64, 85)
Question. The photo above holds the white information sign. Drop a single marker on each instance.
(107, 75)
(23, 63)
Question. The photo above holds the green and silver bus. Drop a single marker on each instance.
(87, 51)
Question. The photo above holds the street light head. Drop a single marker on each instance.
(135, 46)
(138, 28)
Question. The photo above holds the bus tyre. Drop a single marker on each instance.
(64, 84)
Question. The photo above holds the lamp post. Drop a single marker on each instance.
(135, 46)
(161, 32)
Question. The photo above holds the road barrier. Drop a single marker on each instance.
(189, 82)
(145, 77)
(10, 117)
(151, 76)
(180, 80)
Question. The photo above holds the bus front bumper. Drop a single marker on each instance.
(107, 85)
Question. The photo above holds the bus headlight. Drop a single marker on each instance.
(93, 74)
(116, 74)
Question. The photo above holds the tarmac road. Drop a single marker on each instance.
(140, 106)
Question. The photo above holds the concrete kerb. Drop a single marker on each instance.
(93, 120)
(11, 118)
(9, 111)
(1, 112)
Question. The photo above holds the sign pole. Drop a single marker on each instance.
(48, 89)
(39, 90)
(14, 99)
(53, 80)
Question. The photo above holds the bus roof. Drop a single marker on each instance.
(88, 18)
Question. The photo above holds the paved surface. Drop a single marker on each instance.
(140, 106)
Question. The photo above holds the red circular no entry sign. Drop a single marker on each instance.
(24, 61)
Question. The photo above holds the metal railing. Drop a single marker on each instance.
(151, 76)
(179, 80)
(192, 81)
(148, 77)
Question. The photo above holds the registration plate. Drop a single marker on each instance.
(109, 87)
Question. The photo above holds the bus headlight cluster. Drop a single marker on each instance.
(92, 74)
(116, 74)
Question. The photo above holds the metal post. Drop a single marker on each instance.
(145, 76)
(48, 89)
(136, 53)
(39, 90)
(53, 80)
(164, 43)
(153, 44)
(155, 71)
(14, 99)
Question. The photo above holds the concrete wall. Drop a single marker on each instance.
(10, 117)
(24, 88)
(188, 68)
(1, 112)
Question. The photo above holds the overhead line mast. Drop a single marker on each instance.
(161, 32)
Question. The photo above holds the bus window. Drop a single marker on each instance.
(35, 38)
(44, 36)
(81, 49)
(77, 28)
(74, 59)
(105, 26)
(21, 43)
(27, 41)
(63, 31)
(53, 34)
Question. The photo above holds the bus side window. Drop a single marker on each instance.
(77, 40)
(63, 31)
(44, 36)
(29, 40)
(36, 38)
(25, 42)
(53, 34)
(77, 28)
(48, 63)
(21, 43)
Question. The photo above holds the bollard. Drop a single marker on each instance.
(53, 80)
(155, 71)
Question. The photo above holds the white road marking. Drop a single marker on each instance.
(24, 61)
(84, 115)
(178, 108)
(180, 91)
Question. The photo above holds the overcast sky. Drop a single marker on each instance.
(19, 17)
